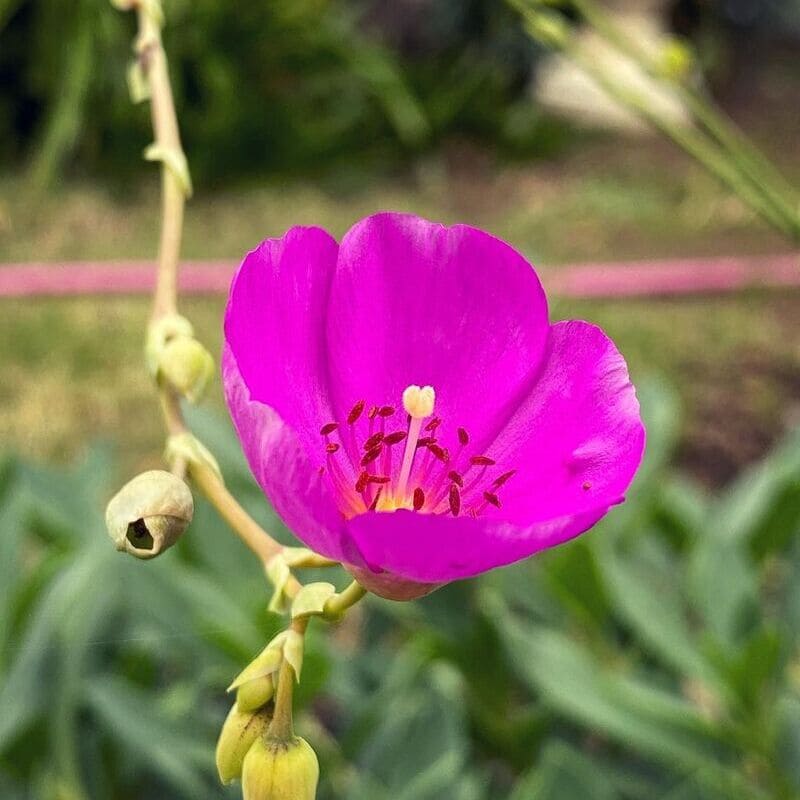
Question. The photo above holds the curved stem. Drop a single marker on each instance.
(246, 528)
(153, 62)
(339, 603)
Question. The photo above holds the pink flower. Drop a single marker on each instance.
(408, 408)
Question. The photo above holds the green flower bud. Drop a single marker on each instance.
(676, 60)
(149, 513)
(238, 733)
(255, 693)
(275, 769)
(187, 366)
(255, 684)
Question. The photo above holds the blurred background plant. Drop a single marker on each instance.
(656, 658)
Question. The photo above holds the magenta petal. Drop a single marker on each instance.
(414, 301)
(434, 549)
(577, 440)
(275, 327)
(280, 466)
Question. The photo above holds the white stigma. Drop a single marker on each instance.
(418, 401)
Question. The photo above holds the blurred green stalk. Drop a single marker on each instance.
(723, 149)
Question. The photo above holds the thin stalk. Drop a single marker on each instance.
(341, 602)
(153, 61)
(694, 143)
(753, 163)
(282, 724)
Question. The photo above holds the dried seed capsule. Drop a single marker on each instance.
(149, 514)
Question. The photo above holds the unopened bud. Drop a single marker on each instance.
(676, 60)
(187, 366)
(276, 769)
(255, 693)
(149, 513)
(238, 733)
(255, 684)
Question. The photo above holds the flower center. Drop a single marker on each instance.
(374, 465)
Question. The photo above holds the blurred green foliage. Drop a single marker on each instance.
(656, 657)
(284, 85)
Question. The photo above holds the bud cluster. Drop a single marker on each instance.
(270, 766)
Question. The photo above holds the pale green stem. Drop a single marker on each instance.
(282, 724)
(339, 603)
(752, 162)
(153, 60)
(691, 140)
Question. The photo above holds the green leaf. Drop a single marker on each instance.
(646, 719)
(563, 773)
(177, 752)
(22, 693)
(746, 511)
(648, 599)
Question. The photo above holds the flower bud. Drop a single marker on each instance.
(187, 366)
(676, 60)
(238, 733)
(275, 769)
(255, 693)
(149, 513)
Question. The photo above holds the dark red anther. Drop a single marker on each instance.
(374, 504)
(386, 411)
(433, 424)
(586, 486)
(373, 441)
(419, 499)
(454, 498)
(463, 436)
(361, 483)
(332, 447)
(456, 478)
(328, 427)
(394, 438)
(504, 477)
(482, 461)
(373, 412)
(425, 441)
(378, 479)
(355, 412)
(492, 498)
(370, 456)
(440, 452)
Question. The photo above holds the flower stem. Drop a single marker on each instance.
(339, 603)
(717, 144)
(282, 725)
(174, 189)
(754, 165)
(153, 61)
(247, 529)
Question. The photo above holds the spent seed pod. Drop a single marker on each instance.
(149, 513)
